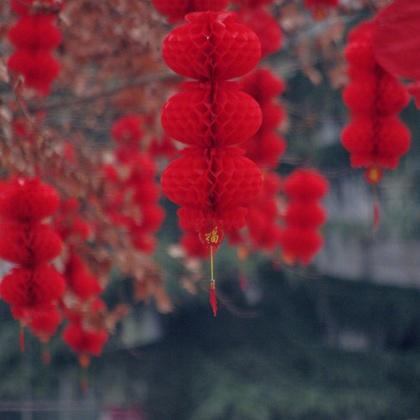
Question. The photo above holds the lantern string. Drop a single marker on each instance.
(212, 291)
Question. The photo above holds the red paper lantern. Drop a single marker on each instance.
(193, 246)
(230, 181)
(35, 33)
(28, 245)
(300, 239)
(306, 215)
(375, 137)
(85, 341)
(222, 115)
(266, 27)
(31, 244)
(32, 288)
(300, 245)
(34, 37)
(211, 46)
(27, 200)
(44, 323)
(212, 182)
(79, 279)
(262, 85)
(305, 185)
(39, 69)
(127, 130)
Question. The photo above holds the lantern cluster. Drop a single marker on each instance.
(212, 181)
(376, 138)
(304, 215)
(259, 19)
(175, 10)
(267, 146)
(33, 286)
(265, 149)
(35, 36)
(82, 298)
(136, 188)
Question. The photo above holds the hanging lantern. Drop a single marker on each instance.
(34, 37)
(375, 137)
(212, 181)
(25, 240)
(300, 238)
(85, 342)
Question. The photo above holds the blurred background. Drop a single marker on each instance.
(338, 340)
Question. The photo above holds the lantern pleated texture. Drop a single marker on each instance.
(212, 181)
(35, 36)
(304, 215)
(33, 284)
(376, 138)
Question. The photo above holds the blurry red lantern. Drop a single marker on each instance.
(375, 137)
(300, 239)
(34, 37)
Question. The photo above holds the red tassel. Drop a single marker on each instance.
(22, 339)
(376, 215)
(213, 297)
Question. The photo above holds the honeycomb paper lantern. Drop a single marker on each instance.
(212, 46)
